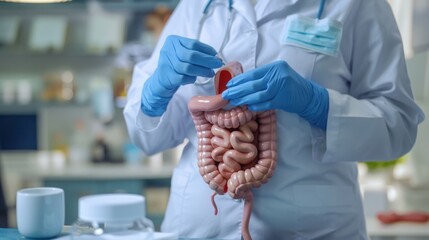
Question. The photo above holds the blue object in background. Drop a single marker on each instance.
(132, 153)
(18, 132)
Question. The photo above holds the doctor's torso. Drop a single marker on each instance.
(305, 199)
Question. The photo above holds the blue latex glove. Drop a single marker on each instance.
(181, 60)
(278, 86)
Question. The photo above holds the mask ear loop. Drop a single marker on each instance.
(321, 8)
(199, 31)
(227, 35)
(228, 31)
(225, 39)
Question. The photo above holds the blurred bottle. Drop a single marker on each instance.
(67, 86)
(59, 143)
(80, 144)
(8, 92)
(59, 86)
(101, 93)
(100, 150)
(24, 92)
(133, 155)
(122, 80)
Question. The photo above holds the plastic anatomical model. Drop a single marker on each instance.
(236, 147)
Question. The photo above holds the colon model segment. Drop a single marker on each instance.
(236, 147)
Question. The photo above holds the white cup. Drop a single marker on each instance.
(40, 212)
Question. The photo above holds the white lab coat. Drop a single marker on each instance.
(314, 192)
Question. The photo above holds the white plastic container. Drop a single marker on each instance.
(112, 216)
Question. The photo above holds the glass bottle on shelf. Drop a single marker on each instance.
(59, 144)
(100, 150)
(80, 144)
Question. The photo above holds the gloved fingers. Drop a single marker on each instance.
(184, 68)
(264, 71)
(244, 89)
(196, 45)
(244, 77)
(259, 107)
(253, 98)
(198, 58)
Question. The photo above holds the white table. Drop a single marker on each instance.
(377, 230)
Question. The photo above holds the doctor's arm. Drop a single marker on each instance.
(153, 134)
(378, 119)
(156, 114)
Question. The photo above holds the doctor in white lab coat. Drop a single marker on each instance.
(314, 193)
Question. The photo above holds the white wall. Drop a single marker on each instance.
(418, 69)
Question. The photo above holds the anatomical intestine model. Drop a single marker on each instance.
(236, 147)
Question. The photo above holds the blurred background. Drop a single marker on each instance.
(64, 73)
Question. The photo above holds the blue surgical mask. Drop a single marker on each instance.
(322, 36)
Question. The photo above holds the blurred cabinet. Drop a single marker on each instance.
(34, 66)
(108, 4)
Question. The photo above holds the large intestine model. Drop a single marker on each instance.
(236, 147)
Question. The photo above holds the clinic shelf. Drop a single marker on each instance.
(8, 53)
(36, 106)
(135, 5)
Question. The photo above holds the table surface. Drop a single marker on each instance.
(9, 234)
(13, 234)
(377, 229)
(374, 228)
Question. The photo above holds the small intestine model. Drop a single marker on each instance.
(236, 147)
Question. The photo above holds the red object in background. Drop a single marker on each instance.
(393, 217)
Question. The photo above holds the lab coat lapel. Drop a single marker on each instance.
(267, 10)
(264, 8)
(246, 10)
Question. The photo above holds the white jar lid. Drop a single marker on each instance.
(112, 207)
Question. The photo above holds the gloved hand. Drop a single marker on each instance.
(181, 60)
(278, 86)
